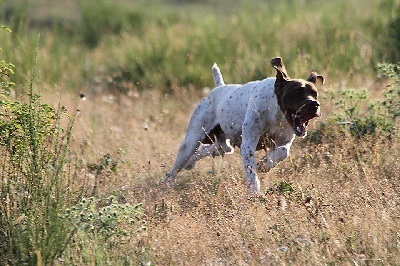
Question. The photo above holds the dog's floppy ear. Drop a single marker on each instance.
(281, 74)
(314, 77)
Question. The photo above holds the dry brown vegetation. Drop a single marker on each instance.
(329, 203)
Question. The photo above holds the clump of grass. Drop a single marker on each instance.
(6, 70)
(35, 180)
(40, 220)
(362, 116)
(104, 227)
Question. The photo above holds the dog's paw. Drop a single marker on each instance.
(169, 181)
(167, 184)
(253, 187)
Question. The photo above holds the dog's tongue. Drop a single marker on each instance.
(300, 127)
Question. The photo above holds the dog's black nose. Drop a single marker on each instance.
(313, 103)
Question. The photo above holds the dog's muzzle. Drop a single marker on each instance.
(300, 118)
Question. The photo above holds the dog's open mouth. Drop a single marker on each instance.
(299, 121)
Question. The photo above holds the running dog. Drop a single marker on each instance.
(265, 114)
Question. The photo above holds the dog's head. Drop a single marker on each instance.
(297, 98)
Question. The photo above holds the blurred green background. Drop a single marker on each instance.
(167, 45)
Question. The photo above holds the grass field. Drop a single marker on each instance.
(101, 101)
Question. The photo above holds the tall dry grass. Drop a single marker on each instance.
(335, 202)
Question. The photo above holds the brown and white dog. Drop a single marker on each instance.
(257, 115)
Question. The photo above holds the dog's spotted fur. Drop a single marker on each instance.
(257, 115)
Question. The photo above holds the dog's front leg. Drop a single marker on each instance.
(274, 157)
(247, 150)
(250, 139)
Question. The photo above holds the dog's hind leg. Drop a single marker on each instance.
(218, 80)
(277, 155)
(199, 125)
(186, 150)
(215, 149)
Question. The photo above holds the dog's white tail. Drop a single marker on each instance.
(219, 81)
